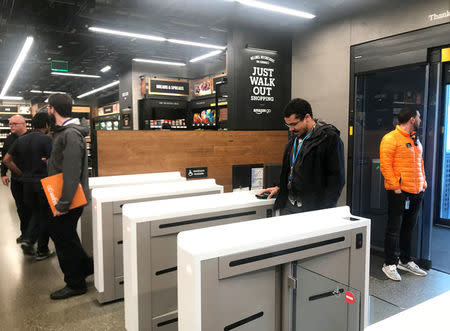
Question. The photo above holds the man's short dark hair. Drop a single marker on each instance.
(62, 104)
(40, 120)
(405, 114)
(299, 107)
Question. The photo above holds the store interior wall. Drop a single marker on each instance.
(321, 55)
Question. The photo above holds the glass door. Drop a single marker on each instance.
(379, 97)
(444, 210)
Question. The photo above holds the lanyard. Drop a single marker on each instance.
(68, 120)
(295, 155)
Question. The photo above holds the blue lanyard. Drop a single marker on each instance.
(295, 155)
(67, 121)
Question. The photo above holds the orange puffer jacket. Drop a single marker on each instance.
(401, 162)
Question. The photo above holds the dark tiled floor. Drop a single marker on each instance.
(25, 286)
(389, 298)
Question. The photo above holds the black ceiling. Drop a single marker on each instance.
(60, 31)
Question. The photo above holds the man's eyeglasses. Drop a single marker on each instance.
(291, 125)
(16, 124)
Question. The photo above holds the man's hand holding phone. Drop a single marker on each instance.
(268, 192)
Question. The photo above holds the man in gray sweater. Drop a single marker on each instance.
(69, 157)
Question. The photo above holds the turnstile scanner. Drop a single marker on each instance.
(107, 225)
(150, 249)
(85, 223)
(307, 271)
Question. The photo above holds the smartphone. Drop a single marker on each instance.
(263, 195)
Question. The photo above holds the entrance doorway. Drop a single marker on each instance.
(378, 96)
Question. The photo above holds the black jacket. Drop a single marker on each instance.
(318, 171)
(9, 141)
(69, 156)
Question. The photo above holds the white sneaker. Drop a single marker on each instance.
(391, 272)
(412, 268)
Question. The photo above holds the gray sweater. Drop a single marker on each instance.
(69, 156)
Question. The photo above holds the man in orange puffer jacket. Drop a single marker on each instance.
(401, 164)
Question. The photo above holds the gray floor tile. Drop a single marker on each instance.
(25, 286)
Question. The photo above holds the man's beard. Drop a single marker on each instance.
(300, 133)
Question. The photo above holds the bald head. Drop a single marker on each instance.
(17, 124)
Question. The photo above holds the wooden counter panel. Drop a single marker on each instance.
(133, 152)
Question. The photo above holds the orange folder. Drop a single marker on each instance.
(53, 186)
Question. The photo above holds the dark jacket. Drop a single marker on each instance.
(9, 141)
(69, 156)
(318, 171)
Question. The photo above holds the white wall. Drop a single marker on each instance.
(321, 55)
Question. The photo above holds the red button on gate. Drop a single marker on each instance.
(349, 297)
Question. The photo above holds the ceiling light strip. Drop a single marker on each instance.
(127, 34)
(99, 89)
(155, 38)
(192, 43)
(54, 92)
(74, 75)
(213, 53)
(22, 55)
(105, 69)
(4, 97)
(160, 62)
(277, 9)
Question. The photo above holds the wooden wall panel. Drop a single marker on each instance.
(132, 152)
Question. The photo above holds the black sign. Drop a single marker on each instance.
(169, 104)
(108, 109)
(263, 83)
(169, 87)
(196, 172)
(218, 79)
(9, 109)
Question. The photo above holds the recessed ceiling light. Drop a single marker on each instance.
(274, 8)
(74, 75)
(160, 62)
(60, 46)
(23, 53)
(105, 69)
(213, 53)
(99, 89)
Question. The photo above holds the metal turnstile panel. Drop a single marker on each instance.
(164, 274)
(166, 322)
(322, 304)
(118, 245)
(118, 287)
(249, 301)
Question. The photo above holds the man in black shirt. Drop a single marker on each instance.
(27, 158)
(18, 128)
